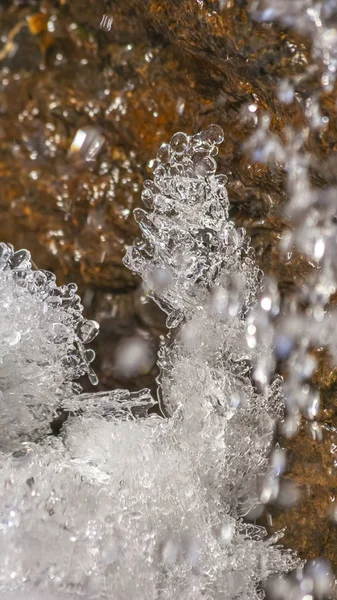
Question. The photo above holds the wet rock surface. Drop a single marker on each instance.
(128, 75)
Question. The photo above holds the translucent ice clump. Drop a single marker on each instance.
(188, 244)
(129, 505)
(117, 510)
(42, 352)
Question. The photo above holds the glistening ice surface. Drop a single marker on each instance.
(128, 505)
(42, 352)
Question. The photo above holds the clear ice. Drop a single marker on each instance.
(42, 351)
(124, 503)
(305, 320)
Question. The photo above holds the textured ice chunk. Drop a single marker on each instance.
(120, 404)
(187, 235)
(43, 333)
(127, 504)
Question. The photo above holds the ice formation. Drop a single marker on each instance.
(124, 504)
(304, 321)
(43, 333)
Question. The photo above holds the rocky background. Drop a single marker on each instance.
(129, 74)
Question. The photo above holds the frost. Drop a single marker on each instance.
(188, 245)
(43, 333)
(127, 504)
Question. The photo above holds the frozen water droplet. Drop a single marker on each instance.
(179, 143)
(163, 154)
(266, 303)
(21, 260)
(283, 346)
(60, 333)
(204, 166)
(213, 135)
(290, 426)
(90, 355)
(270, 489)
(279, 461)
(87, 143)
(319, 248)
(286, 92)
(87, 331)
(180, 106)
(92, 377)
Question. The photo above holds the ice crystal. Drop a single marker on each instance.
(127, 504)
(189, 247)
(43, 333)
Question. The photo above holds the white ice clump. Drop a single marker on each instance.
(42, 350)
(189, 247)
(126, 504)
